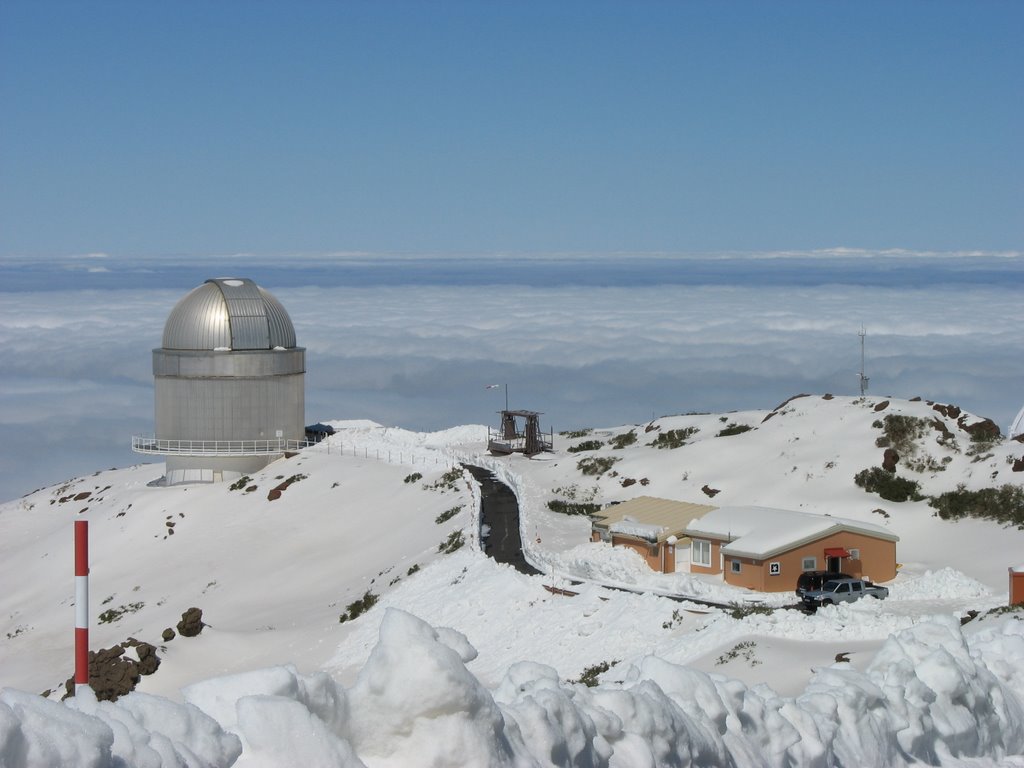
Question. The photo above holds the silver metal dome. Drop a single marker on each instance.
(228, 313)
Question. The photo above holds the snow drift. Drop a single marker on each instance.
(931, 695)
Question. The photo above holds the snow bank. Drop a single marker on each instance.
(944, 583)
(930, 696)
(138, 730)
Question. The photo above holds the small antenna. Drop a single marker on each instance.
(863, 379)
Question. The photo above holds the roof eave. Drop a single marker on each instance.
(838, 528)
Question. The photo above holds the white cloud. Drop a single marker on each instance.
(419, 355)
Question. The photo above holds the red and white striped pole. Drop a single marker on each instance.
(81, 604)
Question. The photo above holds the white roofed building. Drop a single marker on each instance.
(650, 526)
(767, 549)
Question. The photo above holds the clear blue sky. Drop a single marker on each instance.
(274, 127)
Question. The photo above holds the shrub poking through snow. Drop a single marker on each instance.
(928, 464)
(412, 569)
(741, 610)
(902, 432)
(596, 466)
(674, 438)
(575, 434)
(888, 485)
(447, 482)
(564, 507)
(623, 440)
(586, 445)
(359, 607)
(675, 621)
(453, 542)
(576, 502)
(734, 429)
(240, 483)
(1017, 611)
(413, 478)
(743, 650)
(1004, 504)
(591, 673)
(980, 448)
(111, 615)
(448, 514)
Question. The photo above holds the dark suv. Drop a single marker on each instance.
(812, 581)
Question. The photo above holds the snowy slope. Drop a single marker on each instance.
(264, 572)
(272, 578)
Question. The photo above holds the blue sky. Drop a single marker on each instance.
(619, 209)
(197, 128)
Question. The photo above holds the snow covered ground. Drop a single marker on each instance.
(466, 662)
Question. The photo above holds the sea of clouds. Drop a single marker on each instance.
(588, 340)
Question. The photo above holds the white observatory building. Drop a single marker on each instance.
(229, 384)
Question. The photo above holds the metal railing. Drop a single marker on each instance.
(216, 447)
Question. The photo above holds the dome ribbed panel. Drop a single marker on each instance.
(282, 332)
(247, 313)
(228, 313)
(199, 321)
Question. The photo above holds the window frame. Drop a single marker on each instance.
(700, 544)
(813, 563)
(735, 566)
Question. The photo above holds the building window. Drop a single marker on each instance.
(735, 566)
(809, 563)
(855, 554)
(774, 569)
(700, 552)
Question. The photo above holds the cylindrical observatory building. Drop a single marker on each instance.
(229, 384)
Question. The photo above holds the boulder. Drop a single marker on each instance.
(149, 662)
(889, 460)
(985, 429)
(191, 623)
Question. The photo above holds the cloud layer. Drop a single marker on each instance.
(77, 379)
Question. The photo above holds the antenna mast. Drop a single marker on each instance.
(863, 379)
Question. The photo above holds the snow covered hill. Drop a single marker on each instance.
(460, 661)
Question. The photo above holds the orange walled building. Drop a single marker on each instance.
(653, 528)
(767, 549)
(1017, 585)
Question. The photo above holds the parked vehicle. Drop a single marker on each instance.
(843, 591)
(815, 580)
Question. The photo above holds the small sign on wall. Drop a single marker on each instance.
(774, 569)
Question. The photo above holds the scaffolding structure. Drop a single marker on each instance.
(519, 432)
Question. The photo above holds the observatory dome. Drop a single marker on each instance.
(228, 313)
(229, 384)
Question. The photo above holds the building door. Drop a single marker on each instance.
(833, 564)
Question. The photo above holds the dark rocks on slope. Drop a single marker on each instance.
(889, 460)
(191, 623)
